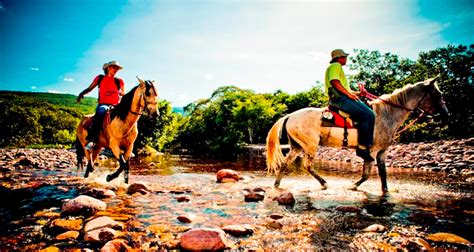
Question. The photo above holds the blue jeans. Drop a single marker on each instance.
(362, 114)
(97, 122)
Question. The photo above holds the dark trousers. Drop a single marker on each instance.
(362, 114)
(97, 121)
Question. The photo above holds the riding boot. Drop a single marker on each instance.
(364, 153)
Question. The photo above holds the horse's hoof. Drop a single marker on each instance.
(108, 178)
(352, 188)
(324, 187)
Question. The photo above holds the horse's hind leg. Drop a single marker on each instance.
(91, 156)
(382, 170)
(289, 159)
(365, 175)
(308, 165)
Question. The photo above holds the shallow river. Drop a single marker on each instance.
(422, 202)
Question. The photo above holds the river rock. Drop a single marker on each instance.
(274, 224)
(286, 199)
(205, 239)
(448, 238)
(116, 245)
(100, 193)
(276, 216)
(349, 209)
(138, 188)
(62, 225)
(227, 175)
(254, 197)
(375, 228)
(102, 222)
(238, 230)
(184, 198)
(69, 235)
(187, 218)
(83, 205)
(101, 235)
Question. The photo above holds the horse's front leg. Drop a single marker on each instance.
(119, 156)
(308, 164)
(367, 166)
(382, 170)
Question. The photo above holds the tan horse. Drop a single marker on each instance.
(120, 134)
(305, 132)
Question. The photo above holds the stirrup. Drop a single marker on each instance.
(89, 146)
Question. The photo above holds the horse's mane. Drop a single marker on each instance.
(399, 95)
(122, 109)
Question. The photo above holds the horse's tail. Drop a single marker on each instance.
(80, 154)
(274, 154)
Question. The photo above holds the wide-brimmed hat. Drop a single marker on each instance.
(112, 63)
(338, 53)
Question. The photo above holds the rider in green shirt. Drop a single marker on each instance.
(342, 97)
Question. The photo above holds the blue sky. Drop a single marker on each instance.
(191, 47)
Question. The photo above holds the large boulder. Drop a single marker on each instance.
(102, 222)
(101, 235)
(205, 239)
(83, 205)
(227, 175)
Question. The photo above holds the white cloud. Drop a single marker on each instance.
(208, 76)
(34, 69)
(33, 87)
(55, 92)
(68, 79)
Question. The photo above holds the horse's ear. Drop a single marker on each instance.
(142, 83)
(433, 80)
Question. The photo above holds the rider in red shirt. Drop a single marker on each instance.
(111, 90)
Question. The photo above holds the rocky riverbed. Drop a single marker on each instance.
(48, 205)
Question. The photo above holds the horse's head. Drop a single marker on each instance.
(149, 98)
(433, 100)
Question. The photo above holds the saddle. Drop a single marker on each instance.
(334, 117)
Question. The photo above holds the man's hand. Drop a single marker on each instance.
(79, 98)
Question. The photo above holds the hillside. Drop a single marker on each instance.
(64, 101)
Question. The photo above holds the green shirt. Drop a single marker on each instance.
(335, 72)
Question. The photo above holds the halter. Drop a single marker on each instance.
(365, 93)
(146, 103)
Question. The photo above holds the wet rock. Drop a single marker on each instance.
(69, 235)
(102, 222)
(227, 175)
(254, 197)
(375, 228)
(348, 209)
(286, 199)
(274, 224)
(101, 235)
(62, 225)
(421, 244)
(138, 188)
(204, 239)
(188, 218)
(51, 249)
(238, 230)
(26, 162)
(276, 216)
(448, 238)
(100, 193)
(116, 245)
(83, 205)
(183, 198)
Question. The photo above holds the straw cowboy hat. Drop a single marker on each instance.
(112, 63)
(338, 53)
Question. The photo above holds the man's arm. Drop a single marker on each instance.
(87, 90)
(338, 86)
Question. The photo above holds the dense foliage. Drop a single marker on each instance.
(232, 117)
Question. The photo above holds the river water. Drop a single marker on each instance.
(418, 203)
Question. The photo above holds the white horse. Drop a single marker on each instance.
(305, 132)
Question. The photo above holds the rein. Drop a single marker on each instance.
(365, 93)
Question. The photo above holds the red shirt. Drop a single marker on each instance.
(108, 92)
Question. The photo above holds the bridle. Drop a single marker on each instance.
(140, 112)
(365, 93)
